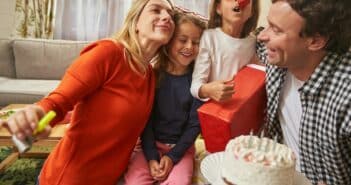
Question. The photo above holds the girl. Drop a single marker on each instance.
(168, 138)
(224, 48)
(102, 87)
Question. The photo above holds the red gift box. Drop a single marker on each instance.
(245, 112)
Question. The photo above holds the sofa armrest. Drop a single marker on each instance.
(7, 61)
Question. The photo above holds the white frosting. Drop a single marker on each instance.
(250, 160)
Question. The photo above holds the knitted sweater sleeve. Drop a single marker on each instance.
(87, 73)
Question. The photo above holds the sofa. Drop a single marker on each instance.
(31, 68)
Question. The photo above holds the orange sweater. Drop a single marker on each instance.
(111, 107)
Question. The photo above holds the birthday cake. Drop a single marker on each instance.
(250, 160)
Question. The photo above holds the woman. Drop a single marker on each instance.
(110, 87)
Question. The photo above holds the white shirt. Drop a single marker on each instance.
(220, 58)
(290, 112)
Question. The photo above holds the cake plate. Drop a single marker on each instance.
(211, 170)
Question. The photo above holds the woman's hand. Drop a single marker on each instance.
(219, 91)
(24, 122)
(137, 147)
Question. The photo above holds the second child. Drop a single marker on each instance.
(224, 48)
(167, 141)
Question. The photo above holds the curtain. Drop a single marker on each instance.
(198, 6)
(89, 19)
(96, 19)
(34, 18)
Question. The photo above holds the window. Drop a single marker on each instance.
(96, 19)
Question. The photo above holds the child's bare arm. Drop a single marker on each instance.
(219, 91)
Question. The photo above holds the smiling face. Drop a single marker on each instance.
(155, 22)
(226, 9)
(184, 45)
(285, 46)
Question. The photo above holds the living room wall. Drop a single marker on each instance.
(7, 17)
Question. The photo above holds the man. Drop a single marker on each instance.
(306, 50)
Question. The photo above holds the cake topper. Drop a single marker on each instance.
(250, 139)
(260, 141)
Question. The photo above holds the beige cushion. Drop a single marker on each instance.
(7, 63)
(44, 59)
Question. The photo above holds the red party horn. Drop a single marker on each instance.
(243, 3)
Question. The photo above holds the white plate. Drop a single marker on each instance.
(210, 169)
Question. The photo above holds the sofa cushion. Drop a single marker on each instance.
(24, 91)
(7, 62)
(44, 59)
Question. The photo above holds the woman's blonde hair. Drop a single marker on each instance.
(215, 19)
(128, 37)
(180, 16)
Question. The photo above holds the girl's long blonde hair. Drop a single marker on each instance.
(250, 25)
(128, 37)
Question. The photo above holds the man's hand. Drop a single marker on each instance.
(219, 91)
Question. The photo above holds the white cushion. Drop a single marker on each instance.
(14, 91)
(25, 86)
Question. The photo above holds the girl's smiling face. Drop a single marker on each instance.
(184, 46)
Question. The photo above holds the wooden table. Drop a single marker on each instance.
(5, 140)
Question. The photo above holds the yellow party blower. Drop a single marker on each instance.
(24, 146)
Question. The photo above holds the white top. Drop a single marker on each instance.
(220, 58)
(290, 112)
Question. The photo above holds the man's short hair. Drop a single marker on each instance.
(328, 18)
